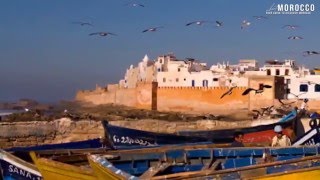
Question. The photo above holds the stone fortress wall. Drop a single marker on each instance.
(192, 99)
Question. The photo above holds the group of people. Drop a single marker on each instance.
(279, 140)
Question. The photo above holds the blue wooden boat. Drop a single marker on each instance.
(121, 137)
(23, 152)
(311, 137)
(13, 168)
(91, 143)
(124, 138)
(180, 163)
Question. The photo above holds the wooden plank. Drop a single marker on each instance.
(154, 170)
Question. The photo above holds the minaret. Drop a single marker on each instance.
(145, 59)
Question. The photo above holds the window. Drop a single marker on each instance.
(177, 79)
(159, 69)
(205, 83)
(160, 60)
(268, 72)
(286, 72)
(192, 83)
(185, 79)
(317, 88)
(288, 91)
(277, 72)
(288, 81)
(164, 79)
(215, 79)
(303, 88)
(178, 69)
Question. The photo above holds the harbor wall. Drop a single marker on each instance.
(16, 134)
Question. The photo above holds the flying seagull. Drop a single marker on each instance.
(219, 23)
(257, 91)
(102, 34)
(134, 4)
(229, 92)
(152, 29)
(245, 24)
(308, 53)
(83, 23)
(264, 110)
(291, 27)
(297, 95)
(309, 82)
(295, 37)
(197, 23)
(285, 104)
(260, 17)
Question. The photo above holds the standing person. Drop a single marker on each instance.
(238, 139)
(280, 140)
(304, 108)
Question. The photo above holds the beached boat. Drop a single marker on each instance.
(199, 162)
(124, 138)
(121, 137)
(298, 168)
(73, 163)
(91, 143)
(23, 152)
(261, 134)
(51, 169)
(14, 168)
(311, 137)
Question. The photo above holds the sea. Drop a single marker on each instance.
(4, 112)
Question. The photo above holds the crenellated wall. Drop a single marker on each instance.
(200, 99)
(193, 99)
(139, 97)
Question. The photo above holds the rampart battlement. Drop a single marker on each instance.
(202, 88)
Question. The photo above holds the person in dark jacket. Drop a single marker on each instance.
(238, 139)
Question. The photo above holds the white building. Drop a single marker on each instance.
(169, 71)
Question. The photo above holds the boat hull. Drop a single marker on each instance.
(56, 170)
(14, 168)
(122, 138)
(107, 173)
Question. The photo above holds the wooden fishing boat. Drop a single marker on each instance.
(311, 137)
(23, 152)
(300, 167)
(14, 168)
(121, 137)
(91, 143)
(124, 138)
(193, 163)
(56, 170)
(73, 163)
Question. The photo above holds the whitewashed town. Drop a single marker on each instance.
(169, 71)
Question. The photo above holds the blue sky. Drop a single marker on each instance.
(44, 56)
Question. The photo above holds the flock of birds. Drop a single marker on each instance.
(247, 91)
(268, 110)
(244, 24)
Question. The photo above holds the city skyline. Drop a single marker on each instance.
(47, 55)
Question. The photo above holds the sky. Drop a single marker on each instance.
(46, 57)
